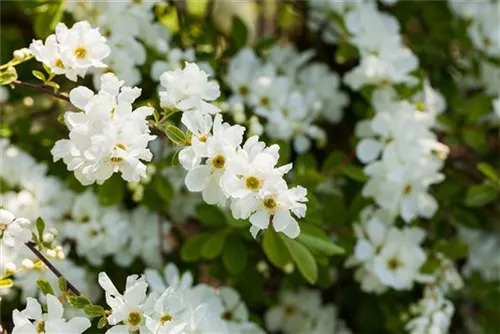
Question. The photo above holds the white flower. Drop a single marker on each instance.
(72, 51)
(171, 277)
(219, 150)
(189, 89)
(127, 308)
(399, 261)
(13, 230)
(31, 319)
(108, 136)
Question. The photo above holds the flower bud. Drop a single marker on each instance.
(27, 264)
(48, 237)
(53, 231)
(289, 268)
(10, 267)
(51, 253)
(19, 55)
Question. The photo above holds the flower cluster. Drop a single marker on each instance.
(72, 51)
(98, 231)
(174, 305)
(13, 231)
(483, 32)
(386, 256)
(286, 91)
(481, 245)
(224, 169)
(432, 313)
(303, 312)
(33, 320)
(129, 26)
(108, 136)
(403, 154)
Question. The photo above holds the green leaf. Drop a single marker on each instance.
(79, 302)
(303, 258)
(112, 191)
(235, 256)
(44, 286)
(62, 284)
(8, 76)
(164, 188)
(102, 322)
(345, 52)
(265, 43)
(214, 245)
(93, 310)
(334, 210)
(39, 75)
(355, 173)
(465, 218)
(480, 194)
(332, 162)
(489, 171)
(191, 250)
(320, 245)
(210, 215)
(454, 249)
(175, 135)
(46, 18)
(239, 33)
(475, 138)
(6, 283)
(40, 227)
(275, 249)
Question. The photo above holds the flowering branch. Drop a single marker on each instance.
(41, 89)
(32, 246)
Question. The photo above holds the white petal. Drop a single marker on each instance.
(54, 307)
(368, 149)
(80, 96)
(260, 219)
(197, 178)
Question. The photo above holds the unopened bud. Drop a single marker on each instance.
(58, 248)
(60, 256)
(262, 267)
(18, 55)
(26, 52)
(53, 231)
(289, 268)
(10, 267)
(27, 264)
(51, 253)
(48, 237)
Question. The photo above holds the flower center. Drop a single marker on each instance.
(407, 189)
(219, 161)
(165, 318)
(252, 183)
(264, 101)
(3, 226)
(289, 309)
(394, 263)
(203, 138)
(122, 146)
(59, 63)
(85, 219)
(40, 327)
(228, 315)
(270, 202)
(116, 160)
(80, 52)
(134, 318)
(244, 90)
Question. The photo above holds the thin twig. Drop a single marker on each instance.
(342, 164)
(41, 89)
(32, 246)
